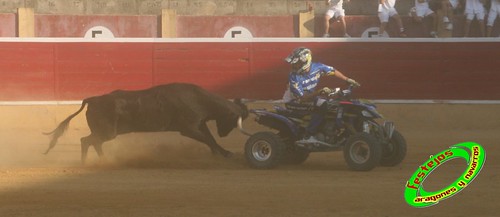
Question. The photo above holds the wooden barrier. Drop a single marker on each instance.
(168, 23)
(306, 24)
(26, 22)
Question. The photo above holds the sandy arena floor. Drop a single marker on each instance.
(164, 174)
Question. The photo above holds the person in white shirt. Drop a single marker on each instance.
(492, 16)
(386, 10)
(474, 9)
(422, 10)
(335, 10)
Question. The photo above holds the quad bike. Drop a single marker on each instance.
(350, 125)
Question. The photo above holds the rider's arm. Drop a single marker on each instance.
(307, 97)
(339, 74)
(299, 94)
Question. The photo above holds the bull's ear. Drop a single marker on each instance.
(238, 101)
(243, 107)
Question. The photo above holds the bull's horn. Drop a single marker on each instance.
(240, 127)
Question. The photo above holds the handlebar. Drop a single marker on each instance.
(341, 93)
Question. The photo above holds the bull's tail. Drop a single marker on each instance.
(59, 131)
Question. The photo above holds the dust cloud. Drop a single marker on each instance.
(165, 150)
(22, 144)
(137, 150)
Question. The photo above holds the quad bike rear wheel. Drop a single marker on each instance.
(362, 152)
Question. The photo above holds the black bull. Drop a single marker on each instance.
(184, 108)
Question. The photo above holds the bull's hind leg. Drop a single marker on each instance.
(85, 147)
(86, 142)
(202, 134)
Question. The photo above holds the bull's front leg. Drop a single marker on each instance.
(202, 134)
(212, 143)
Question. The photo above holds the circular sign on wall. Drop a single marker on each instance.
(99, 32)
(238, 32)
(372, 32)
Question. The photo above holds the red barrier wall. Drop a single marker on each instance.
(428, 69)
(8, 25)
(27, 71)
(95, 68)
(76, 26)
(217, 26)
(149, 26)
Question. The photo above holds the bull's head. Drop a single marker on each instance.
(227, 123)
(243, 107)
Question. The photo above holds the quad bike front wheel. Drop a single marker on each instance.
(362, 152)
(394, 151)
(264, 150)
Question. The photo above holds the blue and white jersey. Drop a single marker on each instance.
(304, 84)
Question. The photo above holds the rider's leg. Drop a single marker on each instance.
(317, 117)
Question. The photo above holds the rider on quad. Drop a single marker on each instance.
(302, 95)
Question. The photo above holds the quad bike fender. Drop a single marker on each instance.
(371, 112)
(275, 121)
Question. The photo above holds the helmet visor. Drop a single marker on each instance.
(298, 66)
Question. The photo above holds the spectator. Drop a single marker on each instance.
(494, 13)
(422, 10)
(449, 8)
(385, 11)
(335, 10)
(474, 9)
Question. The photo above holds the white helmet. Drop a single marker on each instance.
(300, 59)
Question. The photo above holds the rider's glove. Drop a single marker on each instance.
(326, 90)
(353, 82)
